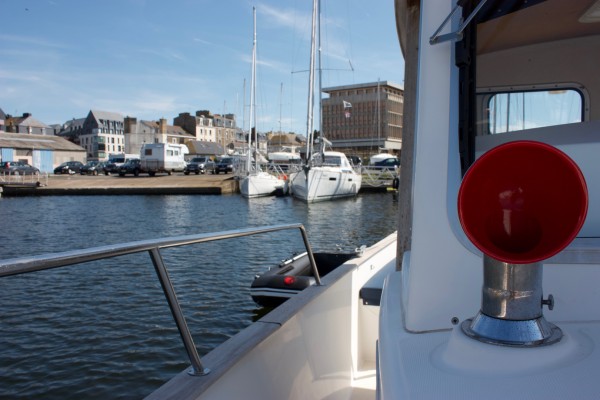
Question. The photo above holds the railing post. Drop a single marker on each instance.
(311, 258)
(169, 291)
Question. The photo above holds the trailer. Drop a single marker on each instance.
(163, 157)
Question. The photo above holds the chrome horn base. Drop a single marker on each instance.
(505, 332)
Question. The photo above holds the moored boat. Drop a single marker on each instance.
(326, 175)
(329, 177)
(291, 276)
(262, 183)
(257, 182)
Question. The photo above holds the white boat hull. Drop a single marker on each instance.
(261, 184)
(325, 183)
(320, 345)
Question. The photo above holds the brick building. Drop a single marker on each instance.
(364, 119)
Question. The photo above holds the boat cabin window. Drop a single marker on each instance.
(332, 160)
(516, 111)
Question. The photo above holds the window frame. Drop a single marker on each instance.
(485, 95)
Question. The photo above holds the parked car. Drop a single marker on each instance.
(389, 163)
(111, 168)
(17, 168)
(93, 168)
(69, 167)
(199, 165)
(224, 165)
(132, 166)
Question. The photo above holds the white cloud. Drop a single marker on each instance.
(30, 41)
(281, 18)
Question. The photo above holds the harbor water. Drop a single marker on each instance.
(103, 330)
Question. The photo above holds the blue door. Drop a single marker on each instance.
(43, 160)
(7, 154)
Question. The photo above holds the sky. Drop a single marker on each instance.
(153, 59)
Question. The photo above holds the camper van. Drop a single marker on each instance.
(163, 157)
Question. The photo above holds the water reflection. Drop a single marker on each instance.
(103, 329)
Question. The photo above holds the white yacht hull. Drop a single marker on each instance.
(325, 183)
(261, 184)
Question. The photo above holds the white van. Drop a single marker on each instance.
(163, 157)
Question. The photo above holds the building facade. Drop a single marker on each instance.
(26, 124)
(226, 129)
(42, 151)
(139, 132)
(72, 129)
(364, 119)
(2, 118)
(199, 125)
(101, 134)
(207, 127)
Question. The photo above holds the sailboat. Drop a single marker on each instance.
(326, 175)
(257, 183)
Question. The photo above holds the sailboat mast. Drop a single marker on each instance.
(280, 101)
(311, 85)
(252, 95)
(320, 75)
(244, 108)
(378, 116)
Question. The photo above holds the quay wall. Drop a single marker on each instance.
(74, 185)
(177, 184)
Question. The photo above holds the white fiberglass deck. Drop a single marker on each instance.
(449, 365)
(318, 345)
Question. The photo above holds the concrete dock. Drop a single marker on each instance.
(72, 185)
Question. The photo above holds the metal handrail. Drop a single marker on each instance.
(377, 176)
(16, 266)
(40, 179)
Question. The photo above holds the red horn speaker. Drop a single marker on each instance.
(522, 202)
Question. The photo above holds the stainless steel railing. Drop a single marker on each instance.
(24, 265)
(378, 177)
(40, 179)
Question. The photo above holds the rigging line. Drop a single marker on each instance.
(328, 69)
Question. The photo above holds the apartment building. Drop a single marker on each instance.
(139, 132)
(364, 119)
(208, 127)
(101, 134)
